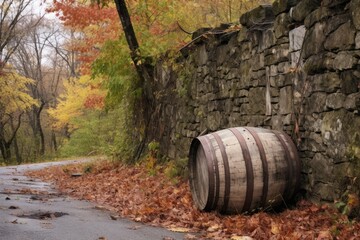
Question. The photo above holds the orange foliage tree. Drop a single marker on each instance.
(159, 26)
(156, 22)
(91, 27)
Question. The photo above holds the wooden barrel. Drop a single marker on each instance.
(241, 169)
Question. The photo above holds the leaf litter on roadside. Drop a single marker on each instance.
(154, 199)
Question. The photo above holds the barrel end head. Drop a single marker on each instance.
(198, 174)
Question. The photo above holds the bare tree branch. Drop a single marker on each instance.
(182, 29)
(13, 26)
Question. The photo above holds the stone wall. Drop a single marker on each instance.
(292, 66)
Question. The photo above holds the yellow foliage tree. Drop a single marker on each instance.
(13, 94)
(14, 101)
(80, 94)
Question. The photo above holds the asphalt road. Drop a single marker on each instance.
(27, 215)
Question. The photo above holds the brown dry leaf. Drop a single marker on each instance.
(189, 236)
(131, 192)
(100, 207)
(354, 200)
(275, 229)
(213, 228)
(324, 235)
(215, 235)
(114, 217)
(314, 208)
(138, 219)
(135, 227)
(241, 238)
(168, 238)
(179, 229)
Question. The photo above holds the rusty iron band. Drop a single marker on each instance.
(226, 170)
(217, 177)
(287, 191)
(264, 165)
(249, 169)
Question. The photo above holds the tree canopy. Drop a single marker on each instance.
(98, 63)
(14, 101)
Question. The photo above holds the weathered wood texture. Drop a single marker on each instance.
(240, 169)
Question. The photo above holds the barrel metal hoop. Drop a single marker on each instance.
(297, 161)
(249, 169)
(226, 171)
(287, 194)
(215, 200)
(210, 157)
(264, 165)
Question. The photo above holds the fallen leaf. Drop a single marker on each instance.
(76, 174)
(135, 227)
(189, 236)
(324, 235)
(179, 229)
(133, 193)
(353, 200)
(114, 217)
(324, 206)
(213, 228)
(241, 238)
(99, 207)
(176, 191)
(275, 229)
(314, 208)
(35, 198)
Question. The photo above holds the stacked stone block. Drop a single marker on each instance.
(293, 66)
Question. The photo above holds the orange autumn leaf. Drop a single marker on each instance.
(133, 193)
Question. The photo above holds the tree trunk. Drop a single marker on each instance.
(2, 140)
(53, 140)
(40, 130)
(16, 146)
(35, 123)
(6, 152)
(132, 40)
(144, 72)
(17, 152)
(2, 149)
(5, 146)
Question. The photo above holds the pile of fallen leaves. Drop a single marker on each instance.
(155, 199)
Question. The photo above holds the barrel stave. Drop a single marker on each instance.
(242, 169)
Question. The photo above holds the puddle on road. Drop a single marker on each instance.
(43, 215)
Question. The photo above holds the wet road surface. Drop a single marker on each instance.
(33, 210)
